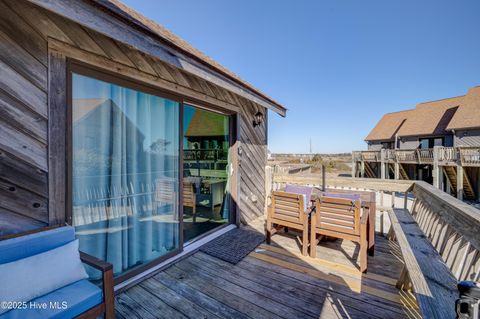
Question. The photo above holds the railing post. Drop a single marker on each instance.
(397, 170)
(354, 164)
(460, 181)
(382, 163)
(478, 185)
(362, 169)
(323, 178)
(435, 173)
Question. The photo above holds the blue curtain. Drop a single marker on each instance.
(125, 172)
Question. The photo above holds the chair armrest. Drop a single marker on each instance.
(95, 262)
(108, 281)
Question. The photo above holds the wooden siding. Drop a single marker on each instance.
(34, 42)
(472, 138)
(409, 143)
(253, 160)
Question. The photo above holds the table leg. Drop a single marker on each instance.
(371, 228)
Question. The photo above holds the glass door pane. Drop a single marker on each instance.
(125, 173)
(206, 144)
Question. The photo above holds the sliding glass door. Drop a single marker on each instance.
(206, 170)
(125, 147)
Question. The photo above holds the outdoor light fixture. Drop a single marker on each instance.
(258, 119)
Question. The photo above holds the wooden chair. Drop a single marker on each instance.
(287, 210)
(189, 198)
(340, 218)
(165, 194)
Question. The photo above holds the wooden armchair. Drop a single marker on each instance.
(287, 210)
(166, 194)
(340, 218)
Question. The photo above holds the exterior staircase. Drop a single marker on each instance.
(401, 170)
(369, 172)
(451, 173)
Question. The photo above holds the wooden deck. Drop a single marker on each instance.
(276, 282)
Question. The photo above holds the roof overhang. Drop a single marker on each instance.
(107, 19)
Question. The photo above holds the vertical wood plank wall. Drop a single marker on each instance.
(27, 35)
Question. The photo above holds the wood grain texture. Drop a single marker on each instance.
(19, 173)
(32, 121)
(23, 202)
(90, 17)
(284, 285)
(25, 36)
(433, 283)
(15, 223)
(57, 161)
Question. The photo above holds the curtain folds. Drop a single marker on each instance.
(125, 145)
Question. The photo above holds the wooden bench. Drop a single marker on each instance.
(432, 282)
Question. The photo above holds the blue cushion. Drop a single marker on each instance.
(33, 244)
(79, 297)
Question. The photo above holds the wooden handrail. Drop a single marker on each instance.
(346, 182)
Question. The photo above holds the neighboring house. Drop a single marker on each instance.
(406, 141)
(92, 101)
(448, 122)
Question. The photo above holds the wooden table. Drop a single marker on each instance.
(368, 202)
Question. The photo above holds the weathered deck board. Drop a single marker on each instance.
(330, 286)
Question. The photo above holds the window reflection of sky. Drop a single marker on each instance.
(158, 108)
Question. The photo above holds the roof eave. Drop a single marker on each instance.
(113, 24)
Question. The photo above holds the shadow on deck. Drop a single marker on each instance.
(276, 281)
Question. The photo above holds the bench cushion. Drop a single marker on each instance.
(33, 244)
(79, 297)
(48, 271)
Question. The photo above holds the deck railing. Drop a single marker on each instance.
(371, 156)
(447, 154)
(470, 156)
(357, 156)
(451, 225)
(406, 155)
(425, 155)
(390, 155)
(466, 156)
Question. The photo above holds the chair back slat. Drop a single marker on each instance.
(303, 190)
(288, 207)
(339, 215)
(165, 191)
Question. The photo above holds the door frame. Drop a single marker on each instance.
(75, 66)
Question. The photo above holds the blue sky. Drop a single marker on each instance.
(338, 66)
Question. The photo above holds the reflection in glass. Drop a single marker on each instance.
(125, 174)
(206, 146)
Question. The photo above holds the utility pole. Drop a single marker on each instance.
(310, 145)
